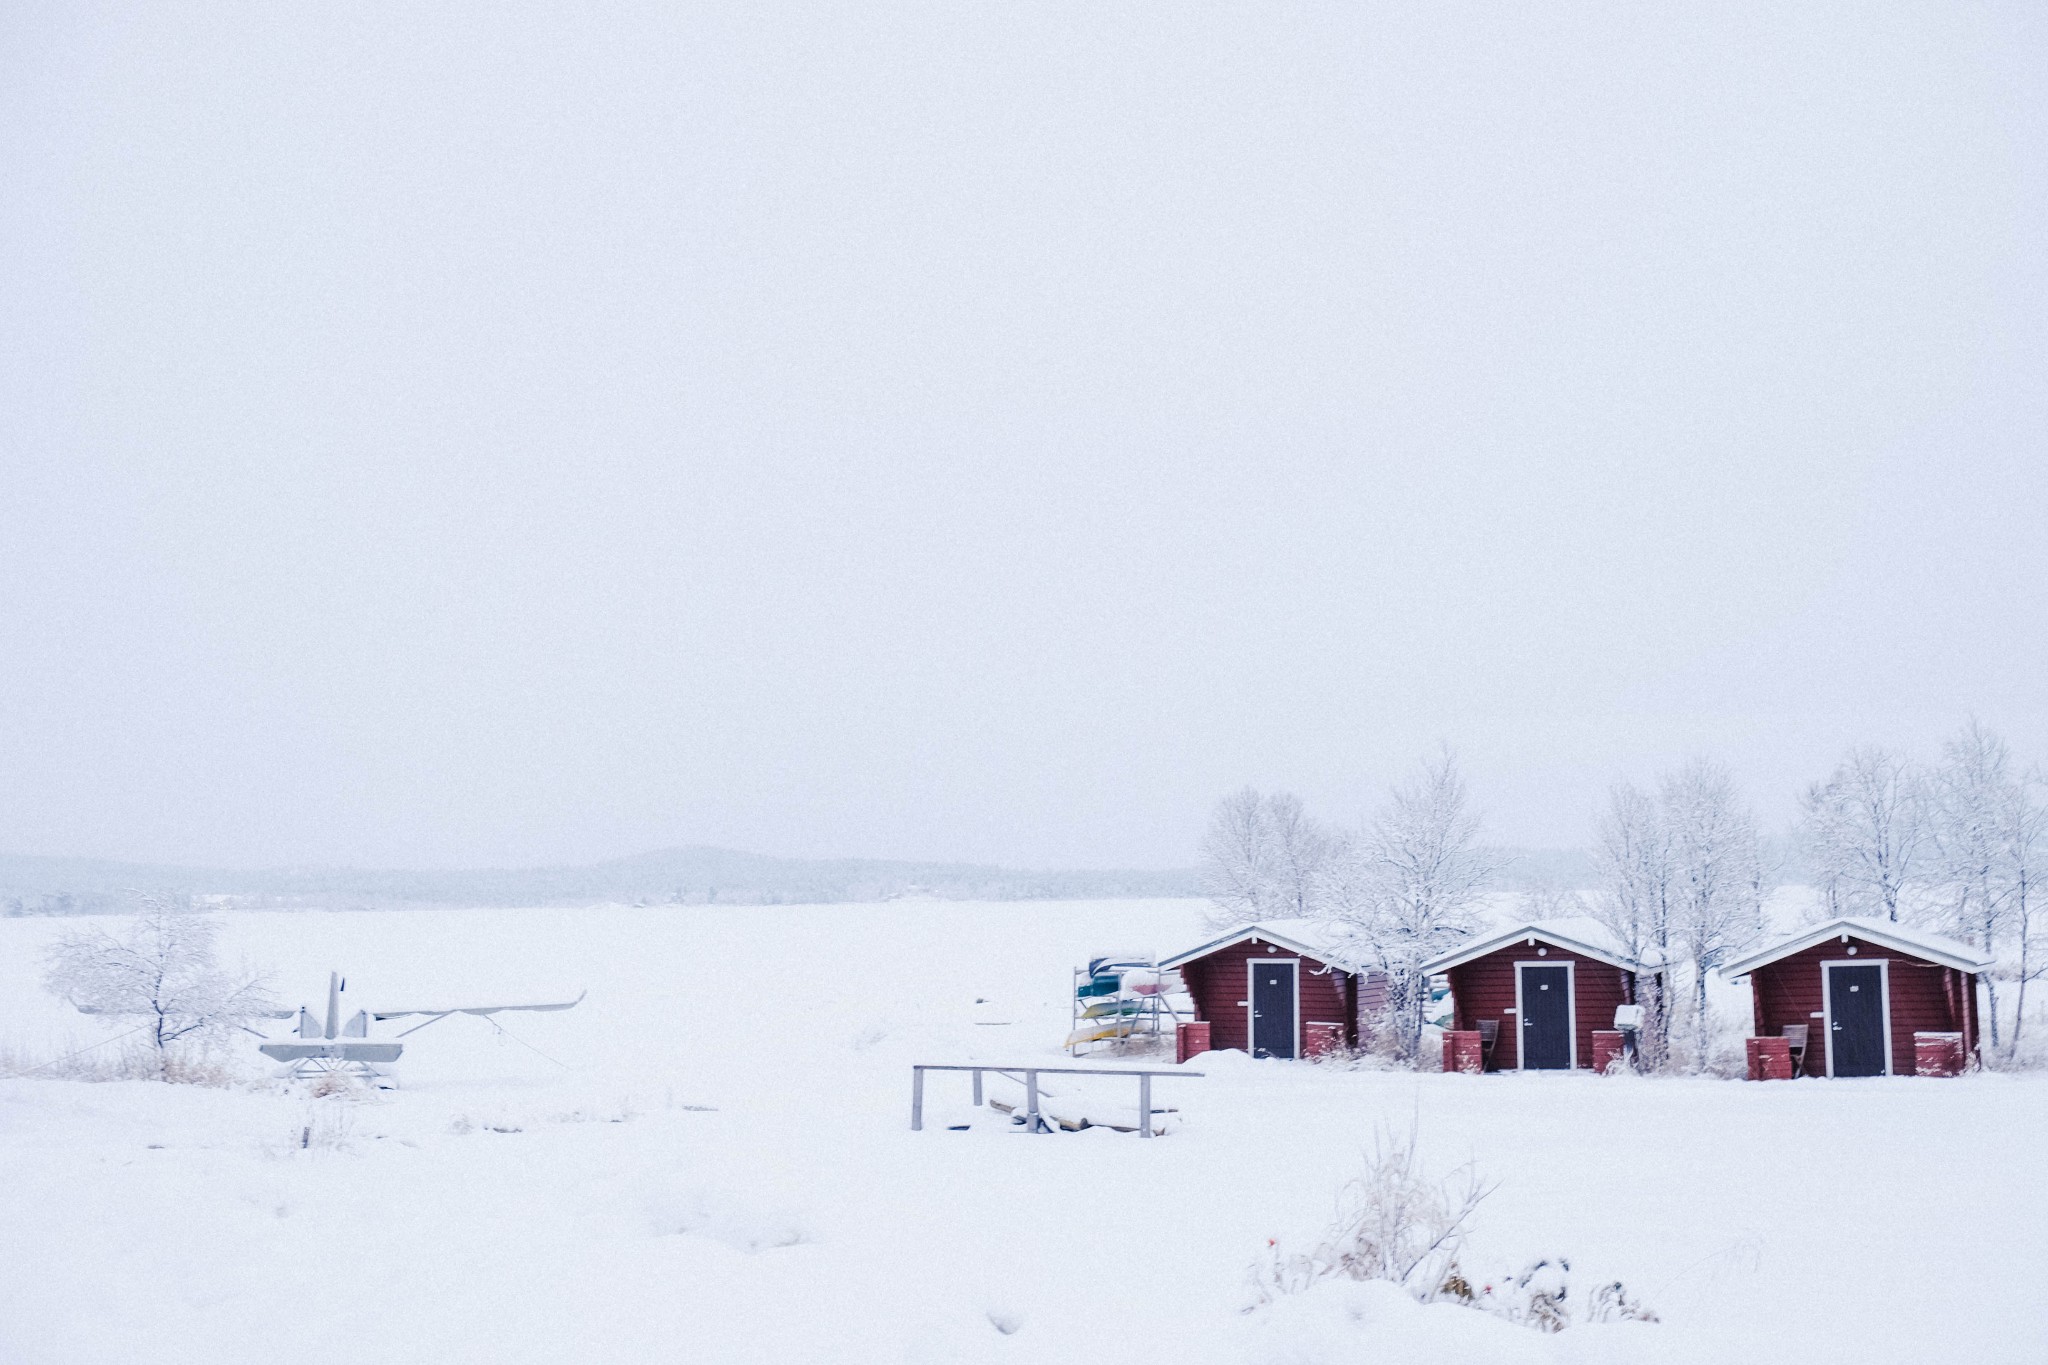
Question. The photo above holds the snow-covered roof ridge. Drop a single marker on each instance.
(1937, 948)
(1320, 939)
(1575, 933)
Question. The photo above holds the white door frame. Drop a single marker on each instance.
(1884, 995)
(1571, 990)
(1251, 1004)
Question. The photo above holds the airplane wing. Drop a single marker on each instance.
(478, 1009)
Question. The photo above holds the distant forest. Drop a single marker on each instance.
(678, 876)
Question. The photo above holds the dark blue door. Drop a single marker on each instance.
(1546, 1018)
(1272, 1008)
(1856, 1019)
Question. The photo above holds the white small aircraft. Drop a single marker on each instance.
(331, 1045)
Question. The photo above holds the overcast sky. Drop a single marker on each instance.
(443, 435)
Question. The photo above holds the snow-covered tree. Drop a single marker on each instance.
(1406, 887)
(1264, 857)
(162, 969)
(2023, 832)
(1863, 833)
(1987, 826)
(1239, 863)
(1718, 871)
(1301, 852)
(1633, 900)
(1970, 800)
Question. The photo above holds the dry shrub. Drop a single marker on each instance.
(136, 1061)
(193, 1069)
(332, 1085)
(1540, 1296)
(1398, 1224)
(1720, 1053)
(87, 1065)
(1612, 1302)
(326, 1125)
(1394, 1222)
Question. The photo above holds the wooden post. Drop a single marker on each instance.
(1030, 1101)
(1144, 1104)
(977, 1085)
(917, 1099)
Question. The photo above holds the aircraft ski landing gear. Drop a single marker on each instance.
(350, 1070)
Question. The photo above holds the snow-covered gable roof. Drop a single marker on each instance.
(1311, 938)
(1946, 952)
(1575, 934)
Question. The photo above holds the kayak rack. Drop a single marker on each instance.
(1116, 999)
(1034, 1121)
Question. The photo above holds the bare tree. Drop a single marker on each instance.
(163, 969)
(1634, 902)
(1717, 871)
(1239, 859)
(1863, 833)
(1407, 888)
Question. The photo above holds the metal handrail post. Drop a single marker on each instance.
(1034, 1116)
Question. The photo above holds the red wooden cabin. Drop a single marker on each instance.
(1861, 989)
(1541, 989)
(1278, 989)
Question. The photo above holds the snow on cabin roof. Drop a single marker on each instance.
(1575, 933)
(1946, 952)
(1319, 939)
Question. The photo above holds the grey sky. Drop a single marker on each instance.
(475, 436)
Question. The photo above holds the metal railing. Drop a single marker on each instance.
(1035, 1121)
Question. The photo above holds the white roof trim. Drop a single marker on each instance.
(1945, 952)
(1479, 948)
(1263, 935)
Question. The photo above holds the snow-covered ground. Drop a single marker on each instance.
(712, 1162)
